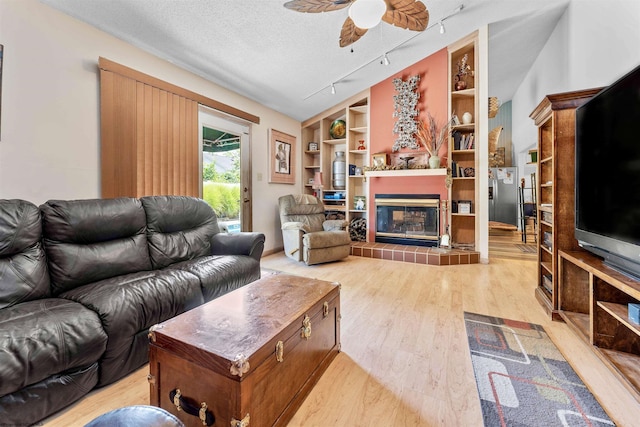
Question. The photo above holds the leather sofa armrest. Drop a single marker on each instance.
(334, 224)
(243, 243)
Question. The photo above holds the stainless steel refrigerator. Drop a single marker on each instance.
(503, 195)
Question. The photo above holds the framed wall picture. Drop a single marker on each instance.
(282, 157)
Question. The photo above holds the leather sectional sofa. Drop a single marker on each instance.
(82, 281)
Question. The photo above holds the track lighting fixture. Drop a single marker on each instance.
(385, 58)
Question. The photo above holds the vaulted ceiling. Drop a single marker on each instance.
(287, 60)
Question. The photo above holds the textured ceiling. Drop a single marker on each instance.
(287, 60)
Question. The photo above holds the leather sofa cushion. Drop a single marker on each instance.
(45, 337)
(221, 274)
(31, 404)
(23, 266)
(179, 228)
(90, 240)
(128, 305)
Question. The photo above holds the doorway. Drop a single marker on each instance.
(225, 168)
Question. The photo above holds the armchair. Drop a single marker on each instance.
(307, 235)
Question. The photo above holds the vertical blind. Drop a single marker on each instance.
(149, 134)
(149, 139)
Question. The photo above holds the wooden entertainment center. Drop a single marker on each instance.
(574, 285)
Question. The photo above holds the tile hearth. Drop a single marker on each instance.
(414, 254)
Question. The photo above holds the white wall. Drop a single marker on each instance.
(594, 43)
(50, 137)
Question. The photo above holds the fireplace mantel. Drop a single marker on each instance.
(406, 172)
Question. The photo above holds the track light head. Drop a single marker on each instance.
(333, 89)
(442, 29)
(385, 60)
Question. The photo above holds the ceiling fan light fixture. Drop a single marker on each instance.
(367, 13)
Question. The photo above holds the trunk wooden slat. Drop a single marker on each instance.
(195, 351)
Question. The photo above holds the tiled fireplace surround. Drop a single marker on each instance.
(414, 254)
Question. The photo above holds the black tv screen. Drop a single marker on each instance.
(608, 174)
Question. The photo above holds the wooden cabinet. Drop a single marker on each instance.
(593, 299)
(555, 119)
(464, 224)
(354, 145)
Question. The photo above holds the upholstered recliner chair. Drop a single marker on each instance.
(307, 235)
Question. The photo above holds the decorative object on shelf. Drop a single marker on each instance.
(365, 14)
(434, 162)
(282, 155)
(533, 156)
(464, 206)
(405, 109)
(433, 139)
(358, 171)
(494, 106)
(380, 159)
(338, 129)
(361, 145)
(464, 70)
(311, 181)
(406, 160)
(313, 146)
(496, 159)
(467, 118)
(359, 203)
(339, 169)
(317, 184)
(352, 169)
(469, 172)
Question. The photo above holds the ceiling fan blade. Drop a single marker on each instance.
(350, 33)
(410, 14)
(317, 6)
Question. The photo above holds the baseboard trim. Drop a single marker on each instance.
(272, 251)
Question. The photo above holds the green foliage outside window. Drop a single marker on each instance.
(224, 198)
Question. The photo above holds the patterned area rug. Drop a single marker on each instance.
(522, 378)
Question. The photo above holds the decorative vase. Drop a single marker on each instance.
(338, 176)
(467, 118)
(461, 83)
(434, 162)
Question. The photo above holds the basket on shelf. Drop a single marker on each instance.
(494, 106)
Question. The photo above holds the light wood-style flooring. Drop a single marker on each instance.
(405, 359)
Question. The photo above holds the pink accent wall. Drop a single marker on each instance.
(433, 98)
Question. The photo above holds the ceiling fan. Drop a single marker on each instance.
(364, 14)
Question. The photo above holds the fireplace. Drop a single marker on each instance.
(408, 219)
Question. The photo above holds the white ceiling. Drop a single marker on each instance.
(287, 60)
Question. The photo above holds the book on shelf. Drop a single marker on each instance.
(466, 142)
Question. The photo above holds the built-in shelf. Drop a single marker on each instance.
(406, 172)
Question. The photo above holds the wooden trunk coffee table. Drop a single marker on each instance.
(248, 358)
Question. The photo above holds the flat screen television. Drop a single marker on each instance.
(608, 174)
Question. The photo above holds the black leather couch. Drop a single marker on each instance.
(82, 281)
